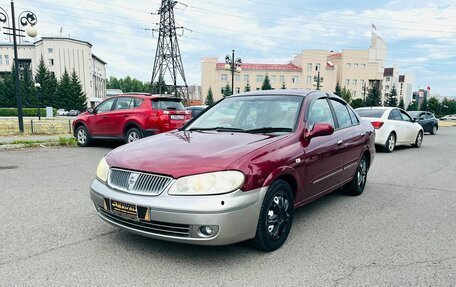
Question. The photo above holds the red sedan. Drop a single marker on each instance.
(238, 170)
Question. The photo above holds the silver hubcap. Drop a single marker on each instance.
(133, 136)
(391, 142)
(82, 136)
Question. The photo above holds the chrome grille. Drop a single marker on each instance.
(138, 182)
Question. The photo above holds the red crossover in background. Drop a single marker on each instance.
(130, 117)
(238, 170)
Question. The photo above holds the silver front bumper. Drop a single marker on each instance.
(234, 216)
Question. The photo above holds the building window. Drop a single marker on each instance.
(7, 60)
(237, 78)
(354, 94)
(348, 65)
(317, 67)
(246, 78)
(51, 62)
(282, 79)
(1, 60)
(355, 82)
(309, 67)
(363, 65)
(260, 78)
(347, 82)
(224, 77)
(400, 93)
(388, 79)
(294, 79)
(50, 50)
(361, 82)
(355, 66)
(309, 80)
(257, 89)
(402, 84)
(273, 78)
(387, 88)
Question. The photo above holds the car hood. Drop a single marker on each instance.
(180, 153)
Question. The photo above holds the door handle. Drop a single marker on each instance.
(339, 143)
(126, 116)
(362, 134)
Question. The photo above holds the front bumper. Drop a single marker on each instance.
(233, 216)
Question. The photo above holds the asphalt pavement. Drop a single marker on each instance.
(401, 231)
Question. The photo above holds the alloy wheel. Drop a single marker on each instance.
(133, 136)
(391, 142)
(278, 215)
(82, 136)
(362, 173)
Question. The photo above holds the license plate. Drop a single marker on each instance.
(124, 208)
(177, 117)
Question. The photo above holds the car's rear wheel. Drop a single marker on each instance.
(276, 217)
(133, 135)
(418, 140)
(434, 130)
(390, 143)
(82, 136)
(358, 183)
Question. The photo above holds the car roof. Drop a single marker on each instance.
(285, 92)
(145, 96)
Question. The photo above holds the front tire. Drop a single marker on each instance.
(390, 143)
(276, 217)
(358, 183)
(133, 135)
(418, 140)
(82, 136)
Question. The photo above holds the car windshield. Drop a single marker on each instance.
(253, 114)
(370, 113)
(168, 104)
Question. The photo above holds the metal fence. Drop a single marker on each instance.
(35, 126)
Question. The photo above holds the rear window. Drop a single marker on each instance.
(167, 104)
(370, 113)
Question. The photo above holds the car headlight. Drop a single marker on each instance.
(103, 170)
(208, 183)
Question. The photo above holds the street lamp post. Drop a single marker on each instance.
(318, 79)
(38, 86)
(26, 18)
(233, 66)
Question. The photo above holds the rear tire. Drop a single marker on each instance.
(133, 135)
(276, 217)
(418, 140)
(358, 183)
(390, 143)
(434, 130)
(82, 136)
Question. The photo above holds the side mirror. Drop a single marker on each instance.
(321, 129)
(91, 111)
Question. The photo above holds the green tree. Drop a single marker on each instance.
(64, 100)
(77, 96)
(247, 87)
(28, 93)
(434, 105)
(209, 98)
(391, 99)
(338, 90)
(357, 103)
(266, 83)
(424, 104)
(283, 86)
(401, 103)
(413, 106)
(373, 98)
(227, 91)
(7, 90)
(345, 94)
(160, 86)
(48, 83)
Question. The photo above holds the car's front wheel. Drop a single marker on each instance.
(133, 135)
(82, 136)
(276, 217)
(419, 139)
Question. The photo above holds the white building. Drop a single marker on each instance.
(403, 84)
(60, 54)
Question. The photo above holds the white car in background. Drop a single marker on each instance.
(393, 127)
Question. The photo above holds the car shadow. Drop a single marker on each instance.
(112, 144)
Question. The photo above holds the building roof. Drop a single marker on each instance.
(335, 56)
(272, 67)
(93, 55)
(63, 38)
(388, 72)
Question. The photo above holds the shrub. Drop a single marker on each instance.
(27, 112)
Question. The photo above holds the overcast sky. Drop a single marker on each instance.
(421, 35)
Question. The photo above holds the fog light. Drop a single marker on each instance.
(206, 230)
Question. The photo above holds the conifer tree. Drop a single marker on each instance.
(247, 87)
(209, 98)
(266, 83)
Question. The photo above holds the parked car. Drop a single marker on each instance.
(73, 113)
(130, 117)
(196, 110)
(449, 117)
(393, 127)
(229, 177)
(62, 112)
(427, 120)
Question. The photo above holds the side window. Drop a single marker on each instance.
(320, 112)
(354, 118)
(105, 106)
(405, 117)
(342, 115)
(123, 103)
(396, 115)
(136, 102)
(391, 116)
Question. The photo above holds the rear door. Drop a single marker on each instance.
(399, 125)
(410, 128)
(324, 155)
(101, 121)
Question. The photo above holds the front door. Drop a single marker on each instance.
(100, 122)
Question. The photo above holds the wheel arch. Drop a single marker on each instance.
(286, 174)
(129, 125)
(77, 125)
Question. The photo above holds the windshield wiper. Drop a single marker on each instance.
(268, 130)
(219, 129)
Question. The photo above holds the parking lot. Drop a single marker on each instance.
(401, 231)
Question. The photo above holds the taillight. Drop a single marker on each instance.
(377, 125)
